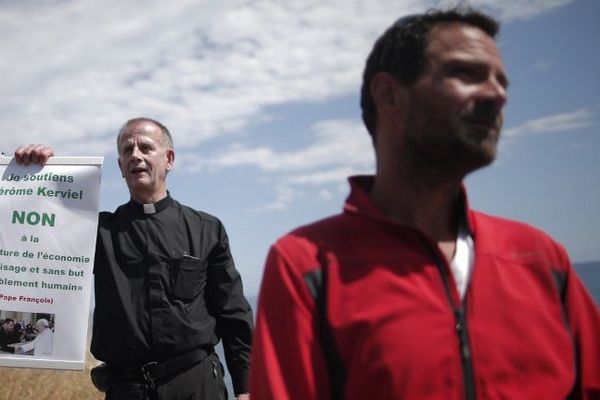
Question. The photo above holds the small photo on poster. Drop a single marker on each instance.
(26, 333)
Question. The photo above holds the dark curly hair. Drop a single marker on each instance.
(400, 50)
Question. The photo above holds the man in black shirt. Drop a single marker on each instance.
(165, 284)
(7, 335)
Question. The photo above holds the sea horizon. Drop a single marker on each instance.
(589, 273)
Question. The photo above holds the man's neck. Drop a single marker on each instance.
(147, 198)
(431, 208)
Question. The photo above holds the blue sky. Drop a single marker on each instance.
(262, 101)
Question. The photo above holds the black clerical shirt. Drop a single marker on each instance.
(165, 284)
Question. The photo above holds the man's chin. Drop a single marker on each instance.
(141, 184)
(483, 133)
(483, 157)
(473, 156)
(483, 143)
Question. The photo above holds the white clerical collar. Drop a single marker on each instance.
(149, 208)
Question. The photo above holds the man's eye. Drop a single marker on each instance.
(463, 72)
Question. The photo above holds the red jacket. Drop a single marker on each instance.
(398, 324)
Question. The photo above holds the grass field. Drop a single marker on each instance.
(45, 384)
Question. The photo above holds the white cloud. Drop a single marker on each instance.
(72, 72)
(340, 148)
(325, 194)
(285, 196)
(324, 177)
(566, 121)
(337, 143)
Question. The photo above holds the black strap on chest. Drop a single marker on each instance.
(317, 285)
(153, 372)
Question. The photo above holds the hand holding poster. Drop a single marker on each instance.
(48, 226)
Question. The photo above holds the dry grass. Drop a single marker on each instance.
(45, 384)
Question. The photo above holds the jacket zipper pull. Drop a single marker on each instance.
(460, 323)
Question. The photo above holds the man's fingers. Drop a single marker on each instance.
(32, 154)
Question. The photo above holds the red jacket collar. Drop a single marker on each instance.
(359, 201)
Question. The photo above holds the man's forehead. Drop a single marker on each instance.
(141, 128)
(458, 36)
(144, 133)
(137, 135)
(459, 42)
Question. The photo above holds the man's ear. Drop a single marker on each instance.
(388, 93)
(170, 159)
(120, 167)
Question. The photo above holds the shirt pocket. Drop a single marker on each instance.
(188, 277)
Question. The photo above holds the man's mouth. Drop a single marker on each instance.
(486, 116)
(485, 123)
(138, 170)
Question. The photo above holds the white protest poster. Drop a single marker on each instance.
(48, 227)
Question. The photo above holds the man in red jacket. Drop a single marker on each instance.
(410, 294)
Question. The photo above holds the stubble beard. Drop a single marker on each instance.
(477, 145)
(447, 149)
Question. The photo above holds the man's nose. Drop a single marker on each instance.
(136, 153)
(494, 93)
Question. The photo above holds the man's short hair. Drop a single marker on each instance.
(166, 134)
(400, 50)
(7, 320)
